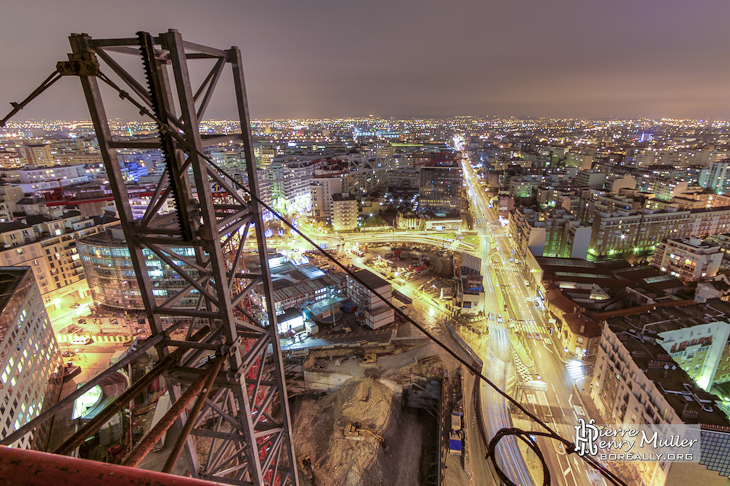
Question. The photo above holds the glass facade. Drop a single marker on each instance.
(111, 277)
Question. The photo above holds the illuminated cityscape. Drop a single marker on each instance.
(365, 243)
(544, 244)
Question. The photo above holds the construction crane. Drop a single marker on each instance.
(238, 428)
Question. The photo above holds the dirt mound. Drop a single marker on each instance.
(336, 459)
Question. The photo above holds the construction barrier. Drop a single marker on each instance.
(98, 338)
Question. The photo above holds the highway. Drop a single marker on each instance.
(559, 407)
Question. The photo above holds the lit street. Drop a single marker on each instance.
(505, 289)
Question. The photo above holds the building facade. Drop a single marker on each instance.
(30, 361)
(48, 247)
(344, 212)
(372, 309)
(637, 382)
(440, 189)
(689, 259)
(111, 278)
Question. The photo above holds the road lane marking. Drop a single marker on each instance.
(538, 353)
(543, 343)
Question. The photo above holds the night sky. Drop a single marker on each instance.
(316, 58)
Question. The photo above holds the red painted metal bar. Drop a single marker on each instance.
(123, 400)
(180, 443)
(154, 435)
(22, 467)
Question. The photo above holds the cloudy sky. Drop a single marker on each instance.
(336, 58)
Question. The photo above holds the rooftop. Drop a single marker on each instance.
(370, 279)
(690, 402)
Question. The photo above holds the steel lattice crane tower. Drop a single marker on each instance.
(241, 414)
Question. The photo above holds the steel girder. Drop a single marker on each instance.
(244, 427)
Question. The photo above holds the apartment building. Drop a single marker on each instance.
(581, 161)
(554, 233)
(9, 196)
(48, 246)
(689, 259)
(717, 177)
(637, 382)
(591, 178)
(344, 212)
(291, 178)
(627, 232)
(38, 154)
(323, 187)
(524, 186)
(440, 189)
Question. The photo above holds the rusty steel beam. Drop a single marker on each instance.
(22, 467)
(154, 435)
(138, 387)
(180, 443)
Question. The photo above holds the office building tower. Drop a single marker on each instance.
(440, 190)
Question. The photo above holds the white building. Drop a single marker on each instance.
(291, 179)
(30, 378)
(689, 259)
(375, 312)
(637, 382)
(344, 212)
(717, 177)
(322, 190)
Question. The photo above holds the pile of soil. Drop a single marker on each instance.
(335, 460)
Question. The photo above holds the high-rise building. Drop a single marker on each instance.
(322, 190)
(291, 179)
(717, 178)
(48, 246)
(30, 374)
(636, 381)
(344, 212)
(440, 189)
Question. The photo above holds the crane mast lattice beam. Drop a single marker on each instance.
(201, 245)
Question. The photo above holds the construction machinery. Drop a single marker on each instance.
(355, 431)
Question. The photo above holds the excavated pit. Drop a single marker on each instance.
(319, 435)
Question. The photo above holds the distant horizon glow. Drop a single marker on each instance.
(308, 60)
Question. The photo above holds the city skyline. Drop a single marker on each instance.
(327, 60)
